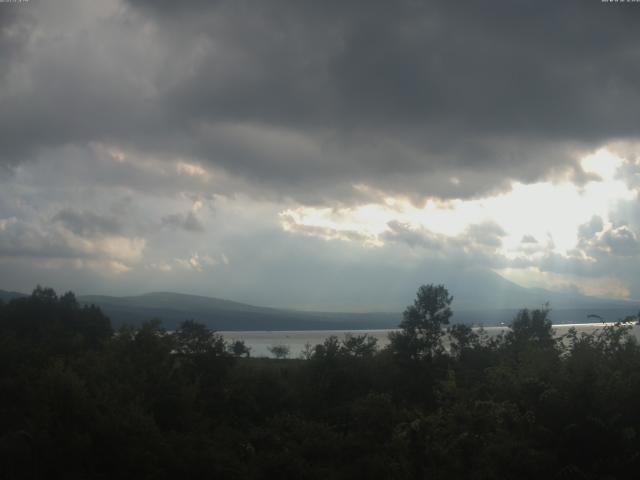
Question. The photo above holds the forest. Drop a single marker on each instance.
(79, 400)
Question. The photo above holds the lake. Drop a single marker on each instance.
(260, 341)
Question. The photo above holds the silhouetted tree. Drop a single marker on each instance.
(359, 345)
(421, 327)
(239, 349)
(462, 337)
(279, 351)
(148, 403)
(193, 338)
(329, 349)
(531, 327)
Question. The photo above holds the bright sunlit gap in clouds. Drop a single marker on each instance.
(537, 219)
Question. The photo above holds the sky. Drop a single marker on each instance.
(319, 155)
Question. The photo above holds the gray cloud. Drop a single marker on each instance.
(487, 234)
(327, 233)
(420, 98)
(88, 224)
(147, 107)
(42, 242)
(476, 245)
(185, 221)
(403, 233)
(602, 252)
(622, 241)
(589, 230)
(15, 26)
(607, 244)
(24, 239)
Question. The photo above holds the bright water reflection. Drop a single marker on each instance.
(259, 342)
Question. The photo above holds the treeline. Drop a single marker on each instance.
(79, 401)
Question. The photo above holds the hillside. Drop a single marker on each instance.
(6, 296)
(493, 301)
(219, 314)
(227, 315)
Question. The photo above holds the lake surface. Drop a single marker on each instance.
(259, 342)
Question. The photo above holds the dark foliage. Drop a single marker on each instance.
(78, 401)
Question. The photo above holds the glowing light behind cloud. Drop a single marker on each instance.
(549, 212)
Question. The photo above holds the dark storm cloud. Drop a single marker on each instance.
(305, 98)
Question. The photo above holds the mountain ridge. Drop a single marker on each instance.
(228, 315)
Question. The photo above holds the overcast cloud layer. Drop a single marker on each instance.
(214, 147)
